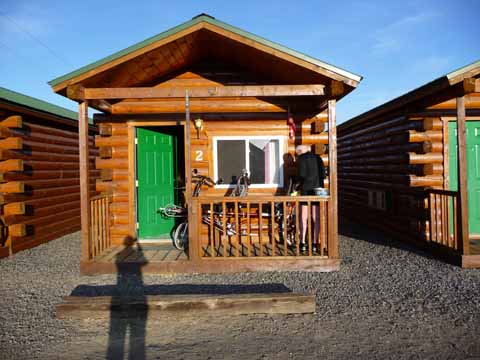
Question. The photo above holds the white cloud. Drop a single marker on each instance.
(432, 64)
(394, 36)
(16, 24)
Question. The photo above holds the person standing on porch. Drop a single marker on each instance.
(311, 175)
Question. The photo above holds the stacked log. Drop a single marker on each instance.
(112, 163)
(311, 132)
(39, 180)
(391, 159)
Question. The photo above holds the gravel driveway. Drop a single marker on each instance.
(387, 301)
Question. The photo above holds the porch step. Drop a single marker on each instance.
(83, 307)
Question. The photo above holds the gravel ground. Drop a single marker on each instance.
(387, 301)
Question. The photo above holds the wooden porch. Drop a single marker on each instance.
(444, 229)
(245, 234)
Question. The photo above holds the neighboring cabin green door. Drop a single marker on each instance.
(155, 175)
(473, 169)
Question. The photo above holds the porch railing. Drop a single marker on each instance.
(442, 227)
(99, 238)
(261, 226)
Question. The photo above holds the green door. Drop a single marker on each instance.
(473, 170)
(155, 175)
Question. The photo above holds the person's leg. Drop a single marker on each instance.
(303, 224)
(316, 221)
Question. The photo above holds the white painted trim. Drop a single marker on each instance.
(281, 148)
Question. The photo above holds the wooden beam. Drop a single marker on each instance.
(83, 146)
(11, 143)
(462, 211)
(192, 304)
(17, 230)
(472, 101)
(102, 105)
(11, 165)
(15, 208)
(332, 171)
(76, 92)
(477, 86)
(12, 187)
(14, 121)
(197, 92)
(197, 106)
(192, 211)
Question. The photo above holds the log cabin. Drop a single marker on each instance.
(207, 97)
(411, 167)
(39, 174)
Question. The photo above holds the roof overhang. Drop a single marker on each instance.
(205, 22)
(461, 82)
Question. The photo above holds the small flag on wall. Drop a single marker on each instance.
(291, 126)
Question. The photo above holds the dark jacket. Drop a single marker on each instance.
(311, 172)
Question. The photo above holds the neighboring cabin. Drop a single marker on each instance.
(39, 172)
(398, 166)
(248, 93)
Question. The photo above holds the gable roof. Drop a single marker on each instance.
(14, 97)
(204, 18)
(435, 86)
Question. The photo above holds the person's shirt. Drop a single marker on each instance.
(311, 172)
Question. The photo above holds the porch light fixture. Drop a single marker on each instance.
(198, 123)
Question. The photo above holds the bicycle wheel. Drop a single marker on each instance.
(180, 236)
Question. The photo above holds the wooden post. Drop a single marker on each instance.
(192, 233)
(83, 148)
(332, 171)
(194, 247)
(462, 213)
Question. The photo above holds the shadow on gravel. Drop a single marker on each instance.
(130, 321)
(361, 232)
(123, 321)
(129, 288)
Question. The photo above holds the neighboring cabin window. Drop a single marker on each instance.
(380, 199)
(376, 199)
(260, 156)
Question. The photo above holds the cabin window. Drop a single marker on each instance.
(376, 199)
(260, 156)
(380, 199)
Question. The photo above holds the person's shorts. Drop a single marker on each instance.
(308, 193)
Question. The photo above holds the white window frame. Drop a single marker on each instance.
(247, 159)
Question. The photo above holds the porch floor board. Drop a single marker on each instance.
(146, 253)
(166, 252)
(475, 247)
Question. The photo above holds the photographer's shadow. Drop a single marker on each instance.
(127, 319)
(129, 304)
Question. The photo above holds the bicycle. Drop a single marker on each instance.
(180, 235)
(241, 187)
(290, 214)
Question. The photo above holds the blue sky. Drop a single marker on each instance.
(395, 45)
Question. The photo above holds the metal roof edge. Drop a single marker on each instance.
(36, 104)
(463, 69)
(192, 22)
(359, 118)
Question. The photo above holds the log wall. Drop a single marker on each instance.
(384, 164)
(39, 179)
(115, 166)
(115, 161)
